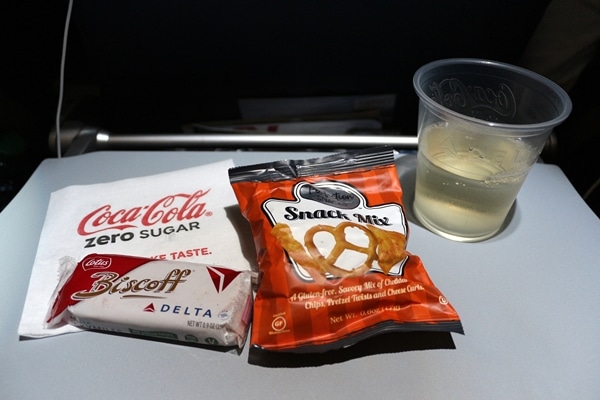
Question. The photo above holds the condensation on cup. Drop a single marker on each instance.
(482, 125)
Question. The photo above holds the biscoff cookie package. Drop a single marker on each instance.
(331, 237)
(176, 301)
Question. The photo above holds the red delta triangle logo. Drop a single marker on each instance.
(221, 277)
(149, 307)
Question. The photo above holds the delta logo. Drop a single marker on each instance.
(221, 277)
(180, 310)
(149, 308)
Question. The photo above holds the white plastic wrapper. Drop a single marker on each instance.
(167, 300)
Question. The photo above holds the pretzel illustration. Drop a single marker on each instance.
(341, 244)
(387, 247)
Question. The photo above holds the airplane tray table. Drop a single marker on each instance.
(529, 301)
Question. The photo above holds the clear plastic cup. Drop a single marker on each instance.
(482, 125)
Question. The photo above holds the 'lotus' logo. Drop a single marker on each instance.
(96, 263)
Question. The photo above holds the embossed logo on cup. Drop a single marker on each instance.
(454, 94)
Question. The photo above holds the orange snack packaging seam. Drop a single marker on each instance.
(330, 235)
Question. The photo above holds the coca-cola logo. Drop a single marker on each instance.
(96, 263)
(176, 207)
(475, 99)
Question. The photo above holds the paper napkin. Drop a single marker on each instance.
(187, 215)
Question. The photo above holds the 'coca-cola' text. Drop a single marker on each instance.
(176, 207)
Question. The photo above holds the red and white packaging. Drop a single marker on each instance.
(167, 300)
(182, 215)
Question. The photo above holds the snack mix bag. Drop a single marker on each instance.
(330, 236)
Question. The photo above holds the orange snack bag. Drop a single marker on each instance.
(330, 236)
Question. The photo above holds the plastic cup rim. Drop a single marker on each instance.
(535, 127)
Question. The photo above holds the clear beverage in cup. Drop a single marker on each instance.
(482, 125)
